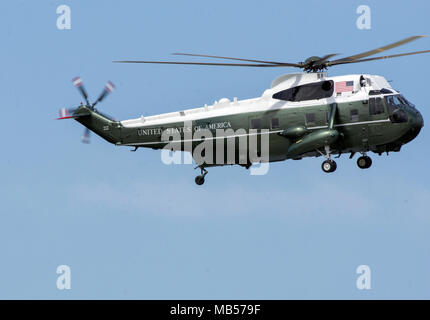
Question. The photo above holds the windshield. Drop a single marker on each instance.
(407, 102)
(395, 105)
(396, 101)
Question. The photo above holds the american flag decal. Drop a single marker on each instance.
(344, 86)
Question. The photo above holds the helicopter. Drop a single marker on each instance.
(306, 114)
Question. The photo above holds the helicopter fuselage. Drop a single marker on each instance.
(294, 113)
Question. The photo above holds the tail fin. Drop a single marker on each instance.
(95, 121)
(102, 125)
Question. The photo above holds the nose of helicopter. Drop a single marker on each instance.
(420, 120)
(416, 122)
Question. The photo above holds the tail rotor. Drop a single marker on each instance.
(73, 113)
(109, 87)
(77, 82)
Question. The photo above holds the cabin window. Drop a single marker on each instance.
(376, 106)
(310, 119)
(311, 91)
(275, 123)
(353, 115)
(256, 124)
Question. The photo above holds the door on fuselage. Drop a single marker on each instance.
(377, 120)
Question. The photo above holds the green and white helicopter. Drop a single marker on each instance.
(307, 114)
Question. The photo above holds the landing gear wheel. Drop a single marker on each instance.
(329, 166)
(364, 162)
(200, 180)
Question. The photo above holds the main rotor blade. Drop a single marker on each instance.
(213, 64)
(325, 58)
(332, 63)
(77, 82)
(238, 59)
(381, 49)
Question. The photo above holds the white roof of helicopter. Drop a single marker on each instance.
(225, 107)
(296, 79)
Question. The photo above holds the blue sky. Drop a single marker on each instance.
(131, 227)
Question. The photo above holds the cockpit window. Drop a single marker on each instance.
(410, 103)
(391, 105)
(405, 101)
(311, 91)
(401, 100)
(396, 101)
(395, 106)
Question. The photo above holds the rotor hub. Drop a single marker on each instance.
(314, 64)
